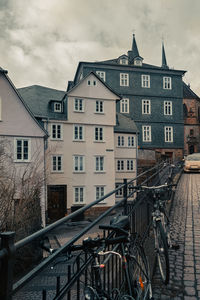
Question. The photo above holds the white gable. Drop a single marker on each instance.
(15, 118)
(92, 87)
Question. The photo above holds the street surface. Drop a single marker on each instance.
(185, 227)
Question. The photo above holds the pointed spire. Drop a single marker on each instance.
(134, 47)
(134, 53)
(164, 61)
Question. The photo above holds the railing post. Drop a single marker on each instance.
(7, 263)
(125, 193)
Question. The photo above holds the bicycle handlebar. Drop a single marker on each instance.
(154, 187)
(90, 243)
(114, 228)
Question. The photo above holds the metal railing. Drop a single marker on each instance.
(67, 276)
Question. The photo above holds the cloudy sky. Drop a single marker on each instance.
(41, 42)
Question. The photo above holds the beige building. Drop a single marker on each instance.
(83, 152)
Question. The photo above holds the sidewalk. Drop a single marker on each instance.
(185, 227)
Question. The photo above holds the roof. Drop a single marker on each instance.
(38, 99)
(188, 93)
(125, 124)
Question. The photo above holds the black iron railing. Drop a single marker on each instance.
(68, 275)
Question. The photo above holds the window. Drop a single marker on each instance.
(120, 141)
(57, 107)
(78, 105)
(100, 191)
(167, 83)
(137, 62)
(102, 75)
(124, 79)
(120, 165)
(146, 107)
(56, 131)
(78, 133)
(79, 161)
(169, 134)
(131, 141)
(99, 106)
(130, 165)
(98, 134)
(119, 193)
(167, 108)
(22, 150)
(146, 133)
(124, 105)
(57, 163)
(123, 61)
(91, 82)
(99, 160)
(146, 81)
(79, 195)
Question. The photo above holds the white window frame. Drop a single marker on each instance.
(79, 136)
(57, 163)
(146, 107)
(145, 81)
(56, 131)
(99, 163)
(168, 134)
(102, 75)
(22, 151)
(78, 163)
(168, 108)
(78, 105)
(99, 192)
(124, 105)
(120, 141)
(99, 107)
(119, 193)
(57, 107)
(124, 61)
(79, 195)
(124, 79)
(120, 165)
(146, 133)
(167, 83)
(98, 134)
(130, 165)
(131, 141)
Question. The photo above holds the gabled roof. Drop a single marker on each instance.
(98, 78)
(125, 124)
(4, 72)
(188, 93)
(38, 99)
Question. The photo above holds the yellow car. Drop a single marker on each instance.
(192, 163)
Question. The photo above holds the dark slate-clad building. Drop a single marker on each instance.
(152, 96)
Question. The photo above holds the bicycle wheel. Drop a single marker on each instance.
(139, 273)
(162, 252)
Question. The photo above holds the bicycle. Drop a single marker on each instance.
(135, 283)
(161, 227)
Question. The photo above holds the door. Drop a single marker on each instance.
(56, 195)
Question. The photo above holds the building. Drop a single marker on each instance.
(152, 96)
(89, 150)
(23, 138)
(191, 109)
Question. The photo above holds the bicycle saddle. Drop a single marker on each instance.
(121, 222)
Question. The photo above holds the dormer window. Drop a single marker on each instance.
(138, 62)
(123, 61)
(57, 107)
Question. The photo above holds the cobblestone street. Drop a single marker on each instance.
(185, 227)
